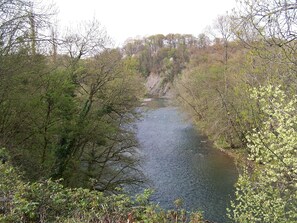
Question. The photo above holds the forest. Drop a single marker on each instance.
(67, 100)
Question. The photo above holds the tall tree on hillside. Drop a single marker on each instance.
(223, 28)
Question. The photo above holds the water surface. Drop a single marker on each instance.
(181, 163)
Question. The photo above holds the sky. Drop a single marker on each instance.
(125, 19)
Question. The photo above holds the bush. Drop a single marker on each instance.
(268, 193)
(50, 201)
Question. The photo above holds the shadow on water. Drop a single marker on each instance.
(180, 163)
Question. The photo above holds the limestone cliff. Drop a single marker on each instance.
(158, 86)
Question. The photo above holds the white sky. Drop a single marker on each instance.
(131, 18)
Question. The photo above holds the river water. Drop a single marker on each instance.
(181, 163)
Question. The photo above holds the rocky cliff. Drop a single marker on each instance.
(158, 86)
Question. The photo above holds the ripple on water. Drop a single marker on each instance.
(180, 163)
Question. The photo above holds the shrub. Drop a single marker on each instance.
(50, 201)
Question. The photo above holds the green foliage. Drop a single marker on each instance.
(65, 116)
(162, 55)
(49, 201)
(215, 95)
(269, 192)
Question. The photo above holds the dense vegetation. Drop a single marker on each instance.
(66, 103)
(240, 89)
(160, 56)
(49, 201)
(242, 92)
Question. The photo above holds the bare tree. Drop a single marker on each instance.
(223, 27)
(20, 21)
(88, 39)
(274, 22)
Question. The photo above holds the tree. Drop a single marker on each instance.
(223, 27)
(20, 22)
(268, 193)
(88, 39)
(13, 23)
(223, 116)
(67, 117)
(203, 41)
(268, 28)
(96, 142)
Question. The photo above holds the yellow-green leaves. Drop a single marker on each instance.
(268, 193)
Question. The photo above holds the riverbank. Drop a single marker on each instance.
(170, 97)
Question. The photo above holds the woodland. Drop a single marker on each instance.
(67, 101)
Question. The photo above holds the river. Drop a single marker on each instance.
(181, 163)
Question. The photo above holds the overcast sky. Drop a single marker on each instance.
(131, 18)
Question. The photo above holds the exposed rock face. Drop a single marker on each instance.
(158, 86)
